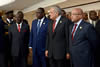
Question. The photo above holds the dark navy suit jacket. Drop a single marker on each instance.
(38, 41)
(83, 46)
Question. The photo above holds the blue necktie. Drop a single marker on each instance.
(38, 26)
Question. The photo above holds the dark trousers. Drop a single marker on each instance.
(57, 63)
(18, 61)
(2, 60)
(39, 59)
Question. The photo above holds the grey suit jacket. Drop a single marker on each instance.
(19, 40)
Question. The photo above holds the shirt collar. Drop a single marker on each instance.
(58, 18)
(41, 19)
(78, 23)
(20, 23)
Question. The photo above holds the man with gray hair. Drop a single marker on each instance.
(57, 38)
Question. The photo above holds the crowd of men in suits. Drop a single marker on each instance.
(56, 41)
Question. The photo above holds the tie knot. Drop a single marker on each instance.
(75, 24)
(54, 21)
(18, 24)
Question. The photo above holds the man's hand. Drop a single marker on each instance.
(67, 56)
(46, 53)
(30, 51)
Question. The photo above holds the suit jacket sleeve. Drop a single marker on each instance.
(47, 37)
(31, 36)
(10, 35)
(92, 37)
(27, 34)
(67, 34)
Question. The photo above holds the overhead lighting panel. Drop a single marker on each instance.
(5, 2)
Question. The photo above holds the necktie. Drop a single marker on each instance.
(38, 26)
(18, 27)
(74, 29)
(53, 26)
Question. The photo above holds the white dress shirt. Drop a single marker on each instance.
(78, 23)
(57, 20)
(20, 25)
(41, 21)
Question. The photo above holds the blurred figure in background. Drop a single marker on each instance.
(63, 13)
(8, 22)
(2, 43)
(69, 15)
(85, 17)
(99, 14)
(93, 18)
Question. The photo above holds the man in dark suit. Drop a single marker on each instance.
(82, 39)
(9, 16)
(97, 28)
(38, 38)
(24, 20)
(19, 38)
(7, 23)
(2, 45)
(57, 38)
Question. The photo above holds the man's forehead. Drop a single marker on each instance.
(39, 10)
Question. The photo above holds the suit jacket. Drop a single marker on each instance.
(83, 46)
(2, 45)
(38, 42)
(57, 41)
(19, 40)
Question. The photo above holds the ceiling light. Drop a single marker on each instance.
(5, 2)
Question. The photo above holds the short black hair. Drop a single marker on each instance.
(42, 9)
(8, 12)
(20, 12)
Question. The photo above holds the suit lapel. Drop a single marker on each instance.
(57, 26)
(70, 33)
(16, 29)
(78, 30)
(43, 24)
(59, 22)
(22, 27)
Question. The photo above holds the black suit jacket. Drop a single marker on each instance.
(19, 40)
(2, 45)
(57, 41)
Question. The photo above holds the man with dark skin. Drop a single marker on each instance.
(85, 16)
(7, 23)
(19, 38)
(93, 17)
(38, 38)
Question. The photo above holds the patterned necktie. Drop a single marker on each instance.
(74, 29)
(38, 26)
(18, 27)
(53, 26)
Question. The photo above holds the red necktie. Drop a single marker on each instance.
(53, 26)
(18, 27)
(74, 29)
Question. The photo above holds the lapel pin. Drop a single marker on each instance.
(60, 21)
(43, 23)
(80, 27)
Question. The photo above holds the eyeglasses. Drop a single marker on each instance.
(76, 14)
